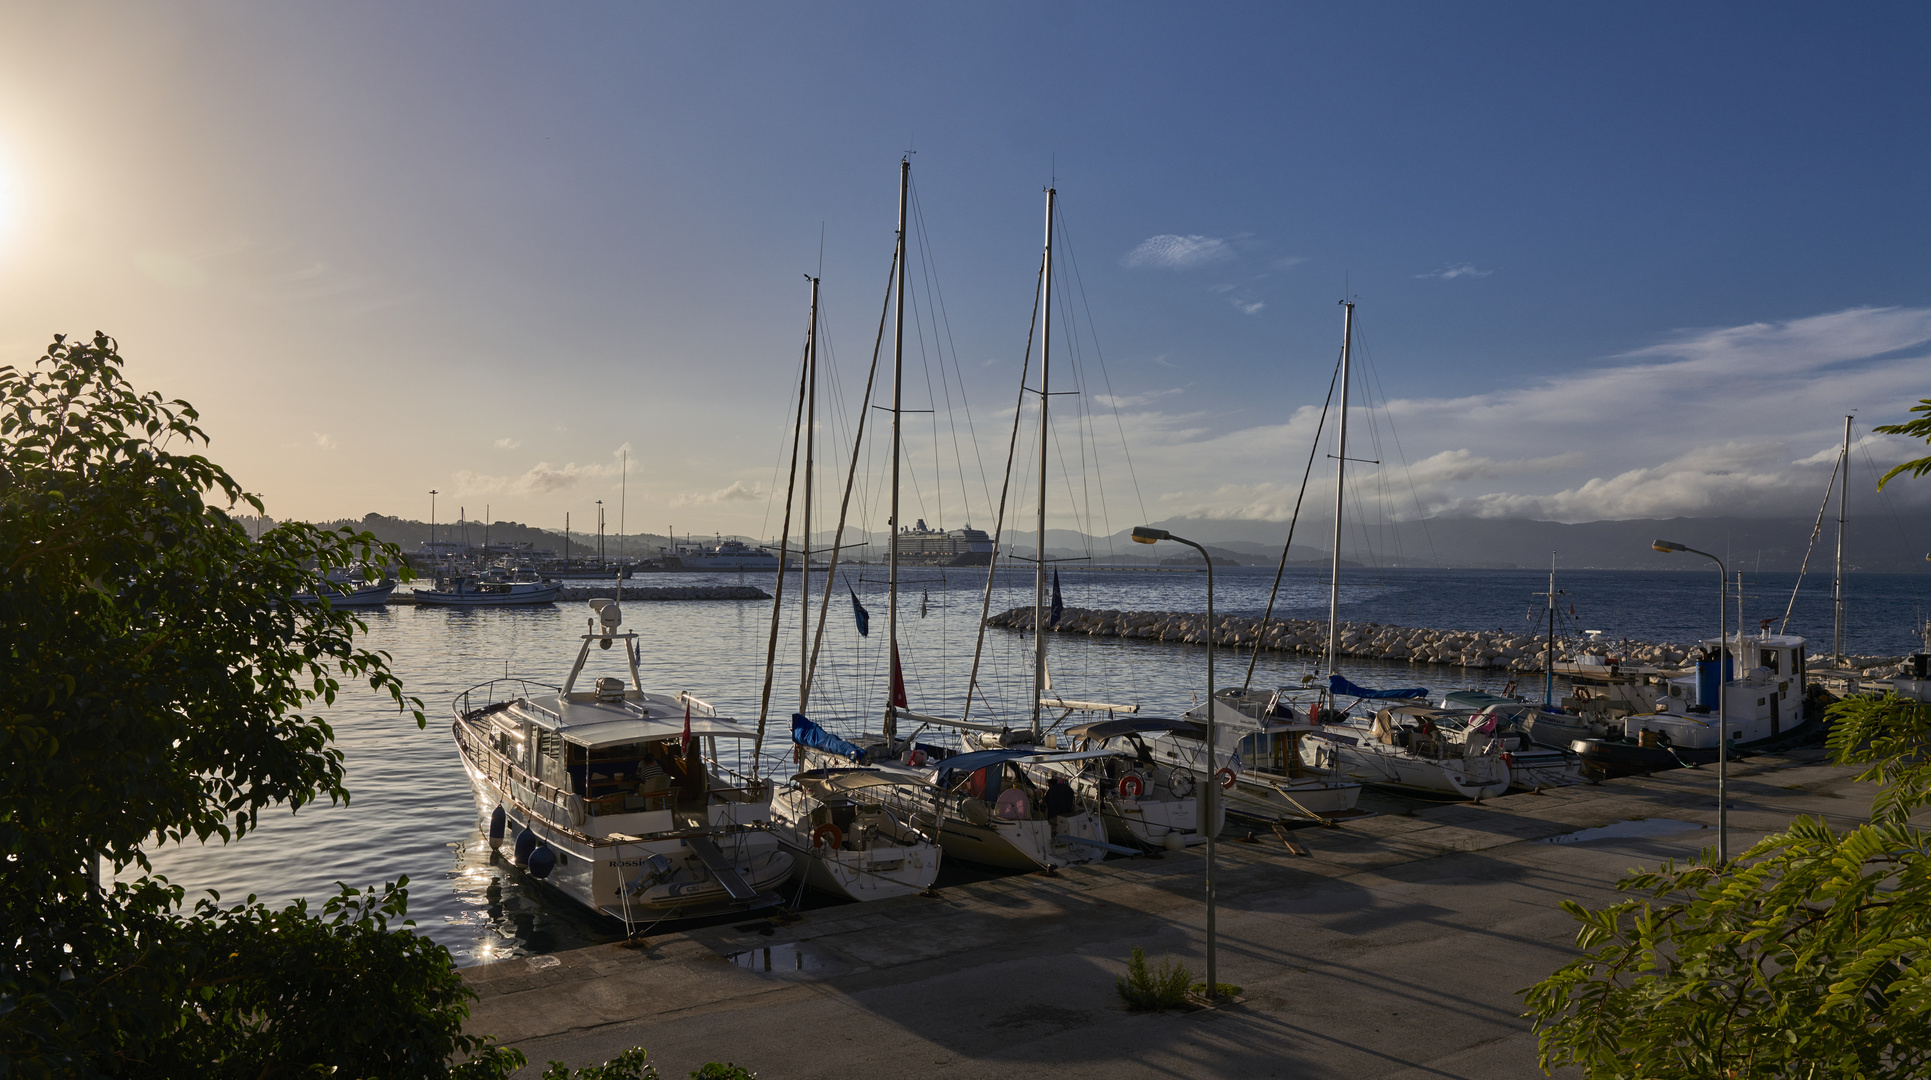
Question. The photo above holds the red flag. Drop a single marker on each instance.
(687, 726)
(898, 680)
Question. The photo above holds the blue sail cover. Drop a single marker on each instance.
(1340, 686)
(806, 733)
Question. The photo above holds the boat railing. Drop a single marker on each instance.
(554, 804)
(499, 692)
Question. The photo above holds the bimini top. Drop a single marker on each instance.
(637, 718)
(980, 759)
(1107, 729)
(856, 779)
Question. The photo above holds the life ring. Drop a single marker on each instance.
(1132, 787)
(827, 835)
(1227, 779)
(1583, 694)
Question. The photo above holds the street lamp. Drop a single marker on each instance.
(1722, 700)
(1145, 535)
(432, 522)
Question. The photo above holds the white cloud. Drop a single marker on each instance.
(324, 440)
(541, 479)
(1744, 421)
(739, 491)
(1171, 252)
(1288, 262)
(1449, 273)
(1130, 401)
(507, 443)
(1246, 307)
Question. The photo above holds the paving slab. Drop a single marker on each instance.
(1393, 950)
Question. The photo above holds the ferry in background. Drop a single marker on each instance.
(920, 546)
(726, 555)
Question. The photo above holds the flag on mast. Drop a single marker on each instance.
(1059, 605)
(898, 681)
(686, 748)
(863, 617)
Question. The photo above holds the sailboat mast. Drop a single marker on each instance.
(1045, 398)
(1340, 473)
(804, 549)
(898, 401)
(1837, 587)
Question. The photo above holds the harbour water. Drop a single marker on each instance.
(411, 812)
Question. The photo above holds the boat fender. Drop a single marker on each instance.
(827, 835)
(498, 822)
(1226, 778)
(1181, 783)
(1508, 759)
(525, 843)
(542, 861)
(1132, 787)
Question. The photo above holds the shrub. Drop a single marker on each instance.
(1151, 990)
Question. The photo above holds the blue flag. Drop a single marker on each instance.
(858, 612)
(1059, 606)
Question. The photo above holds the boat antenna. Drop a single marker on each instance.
(1340, 475)
(1045, 399)
(784, 540)
(898, 402)
(1279, 571)
(999, 519)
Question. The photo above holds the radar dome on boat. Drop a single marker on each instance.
(608, 613)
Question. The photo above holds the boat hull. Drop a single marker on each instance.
(1359, 758)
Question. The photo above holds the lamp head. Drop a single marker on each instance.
(1666, 546)
(1145, 535)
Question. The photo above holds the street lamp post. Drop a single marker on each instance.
(432, 523)
(1722, 699)
(1211, 812)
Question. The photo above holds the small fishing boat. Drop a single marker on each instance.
(492, 588)
(1415, 748)
(1762, 703)
(351, 589)
(1142, 799)
(852, 847)
(614, 796)
(1264, 776)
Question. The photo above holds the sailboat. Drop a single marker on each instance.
(983, 807)
(844, 844)
(1395, 747)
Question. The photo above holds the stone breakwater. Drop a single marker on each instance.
(1376, 641)
(673, 592)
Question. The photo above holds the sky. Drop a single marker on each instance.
(1608, 261)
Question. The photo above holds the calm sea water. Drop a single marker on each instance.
(411, 812)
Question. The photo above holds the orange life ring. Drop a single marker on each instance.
(827, 835)
(1132, 787)
(1227, 779)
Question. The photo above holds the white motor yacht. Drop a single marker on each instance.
(614, 796)
(492, 588)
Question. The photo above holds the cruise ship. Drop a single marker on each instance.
(920, 546)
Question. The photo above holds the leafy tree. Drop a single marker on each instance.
(1807, 956)
(156, 684)
(1919, 428)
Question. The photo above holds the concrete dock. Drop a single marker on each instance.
(1394, 949)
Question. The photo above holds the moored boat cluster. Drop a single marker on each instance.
(1377, 641)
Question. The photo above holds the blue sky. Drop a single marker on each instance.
(1613, 261)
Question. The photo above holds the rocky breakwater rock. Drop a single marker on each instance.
(1377, 641)
(673, 592)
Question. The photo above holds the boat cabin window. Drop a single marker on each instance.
(1769, 658)
(549, 752)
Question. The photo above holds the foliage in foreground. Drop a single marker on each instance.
(156, 685)
(1147, 989)
(630, 1065)
(1807, 956)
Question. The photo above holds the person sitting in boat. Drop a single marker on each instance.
(1059, 799)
